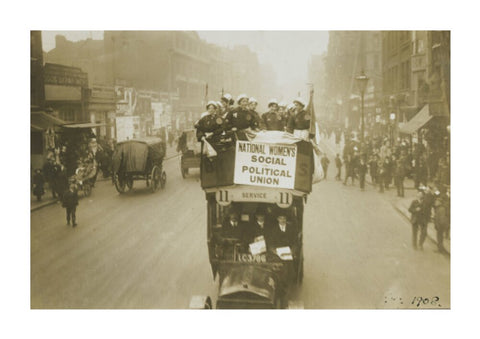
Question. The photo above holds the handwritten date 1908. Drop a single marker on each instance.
(426, 302)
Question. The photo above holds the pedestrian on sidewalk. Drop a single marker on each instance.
(373, 169)
(399, 175)
(429, 201)
(381, 175)
(38, 182)
(349, 169)
(440, 219)
(49, 171)
(387, 178)
(362, 172)
(419, 220)
(70, 202)
(338, 163)
(325, 162)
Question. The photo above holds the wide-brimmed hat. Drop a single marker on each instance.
(240, 97)
(300, 101)
(227, 97)
(211, 102)
(272, 102)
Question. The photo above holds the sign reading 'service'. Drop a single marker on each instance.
(269, 165)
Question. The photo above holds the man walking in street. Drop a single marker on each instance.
(338, 163)
(362, 172)
(419, 220)
(70, 202)
(349, 169)
(399, 175)
(440, 219)
(325, 162)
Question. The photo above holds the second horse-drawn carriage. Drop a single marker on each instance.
(139, 160)
(190, 148)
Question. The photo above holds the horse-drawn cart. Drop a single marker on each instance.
(139, 160)
(190, 148)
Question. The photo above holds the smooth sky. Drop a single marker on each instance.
(287, 52)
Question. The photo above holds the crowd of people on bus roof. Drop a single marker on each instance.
(223, 116)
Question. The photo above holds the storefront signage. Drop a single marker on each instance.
(268, 165)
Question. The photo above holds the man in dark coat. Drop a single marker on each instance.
(441, 218)
(49, 172)
(373, 168)
(338, 164)
(349, 168)
(283, 234)
(362, 172)
(419, 220)
(399, 172)
(325, 162)
(233, 229)
(258, 228)
(38, 182)
(70, 202)
(61, 180)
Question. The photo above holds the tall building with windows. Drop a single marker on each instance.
(416, 71)
(349, 53)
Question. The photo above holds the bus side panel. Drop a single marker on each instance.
(304, 167)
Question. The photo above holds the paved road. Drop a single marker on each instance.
(144, 250)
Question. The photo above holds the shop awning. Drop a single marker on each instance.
(84, 125)
(42, 121)
(418, 121)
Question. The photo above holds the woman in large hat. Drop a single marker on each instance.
(299, 124)
(240, 117)
(272, 119)
(210, 122)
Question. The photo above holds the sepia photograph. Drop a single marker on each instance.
(175, 169)
(239, 169)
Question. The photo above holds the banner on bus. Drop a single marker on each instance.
(267, 165)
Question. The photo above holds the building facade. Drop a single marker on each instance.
(181, 67)
(349, 53)
(66, 92)
(416, 71)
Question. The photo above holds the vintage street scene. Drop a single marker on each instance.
(240, 170)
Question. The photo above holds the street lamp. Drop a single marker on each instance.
(362, 81)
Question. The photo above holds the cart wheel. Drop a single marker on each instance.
(129, 183)
(155, 179)
(163, 180)
(87, 190)
(119, 183)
